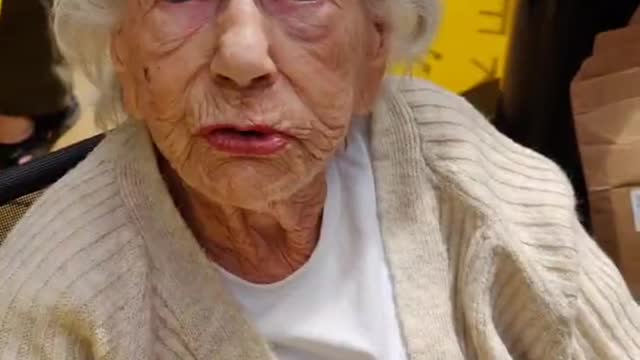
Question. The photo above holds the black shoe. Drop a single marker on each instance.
(47, 130)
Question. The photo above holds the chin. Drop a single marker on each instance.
(248, 184)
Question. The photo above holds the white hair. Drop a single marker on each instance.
(83, 28)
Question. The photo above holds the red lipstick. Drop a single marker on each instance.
(253, 140)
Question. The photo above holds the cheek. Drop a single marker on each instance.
(323, 73)
(150, 94)
(163, 62)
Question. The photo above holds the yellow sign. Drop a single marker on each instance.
(471, 46)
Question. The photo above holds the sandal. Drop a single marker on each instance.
(47, 130)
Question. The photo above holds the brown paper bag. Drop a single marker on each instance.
(635, 19)
(615, 216)
(607, 123)
(612, 61)
(619, 38)
(622, 124)
(614, 51)
(606, 105)
(588, 94)
(609, 166)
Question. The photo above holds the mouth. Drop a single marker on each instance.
(248, 141)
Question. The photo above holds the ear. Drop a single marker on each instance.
(375, 65)
(119, 53)
(380, 49)
(117, 50)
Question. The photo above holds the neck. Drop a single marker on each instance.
(260, 246)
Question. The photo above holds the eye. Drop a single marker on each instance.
(177, 1)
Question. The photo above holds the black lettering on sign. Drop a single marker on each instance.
(490, 71)
(426, 66)
(501, 15)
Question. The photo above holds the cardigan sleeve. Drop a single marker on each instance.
(31, 328)
(607, 323)
(28, 338)
(34, 324)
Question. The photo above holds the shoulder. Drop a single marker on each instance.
(524, 201)
(86, 199)
(522, 198)
(74, 242)
(495, 174)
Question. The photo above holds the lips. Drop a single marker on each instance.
(250, 141)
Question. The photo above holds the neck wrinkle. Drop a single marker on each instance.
(261, 247)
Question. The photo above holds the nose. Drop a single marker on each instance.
(242, 56)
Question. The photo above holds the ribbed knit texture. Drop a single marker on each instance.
(487, 256)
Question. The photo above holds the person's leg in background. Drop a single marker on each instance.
(36, 102)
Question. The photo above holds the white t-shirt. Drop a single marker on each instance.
(339, 305)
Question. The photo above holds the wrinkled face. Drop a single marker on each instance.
(248, 99)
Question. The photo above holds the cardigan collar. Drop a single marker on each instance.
(212, 323)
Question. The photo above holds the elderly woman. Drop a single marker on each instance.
(271, 195)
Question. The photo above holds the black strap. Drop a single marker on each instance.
(44, 171)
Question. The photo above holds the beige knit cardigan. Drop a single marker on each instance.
(487, 257)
